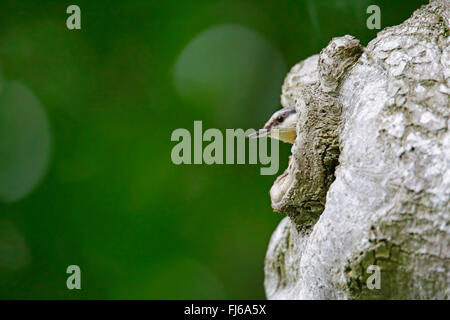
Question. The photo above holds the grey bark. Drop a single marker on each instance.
(368, 182)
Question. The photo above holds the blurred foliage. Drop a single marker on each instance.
(110, 200)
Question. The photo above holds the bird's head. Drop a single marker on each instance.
(281, 125)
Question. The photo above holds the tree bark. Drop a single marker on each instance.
(368, 182)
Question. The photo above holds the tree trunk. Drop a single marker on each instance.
(368, 184)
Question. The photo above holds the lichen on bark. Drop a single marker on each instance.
(368, 182)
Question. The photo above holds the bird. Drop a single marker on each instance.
(281, 125)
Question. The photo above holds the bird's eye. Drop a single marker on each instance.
(280, 119)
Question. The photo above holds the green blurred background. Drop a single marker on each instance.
(86, 117)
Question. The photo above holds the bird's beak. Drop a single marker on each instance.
(259, 134)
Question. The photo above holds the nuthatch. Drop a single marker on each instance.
(281, 125)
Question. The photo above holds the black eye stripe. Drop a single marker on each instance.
(285, 113)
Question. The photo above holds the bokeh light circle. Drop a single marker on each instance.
(232, 72)
(14, 251)
(24, 141)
